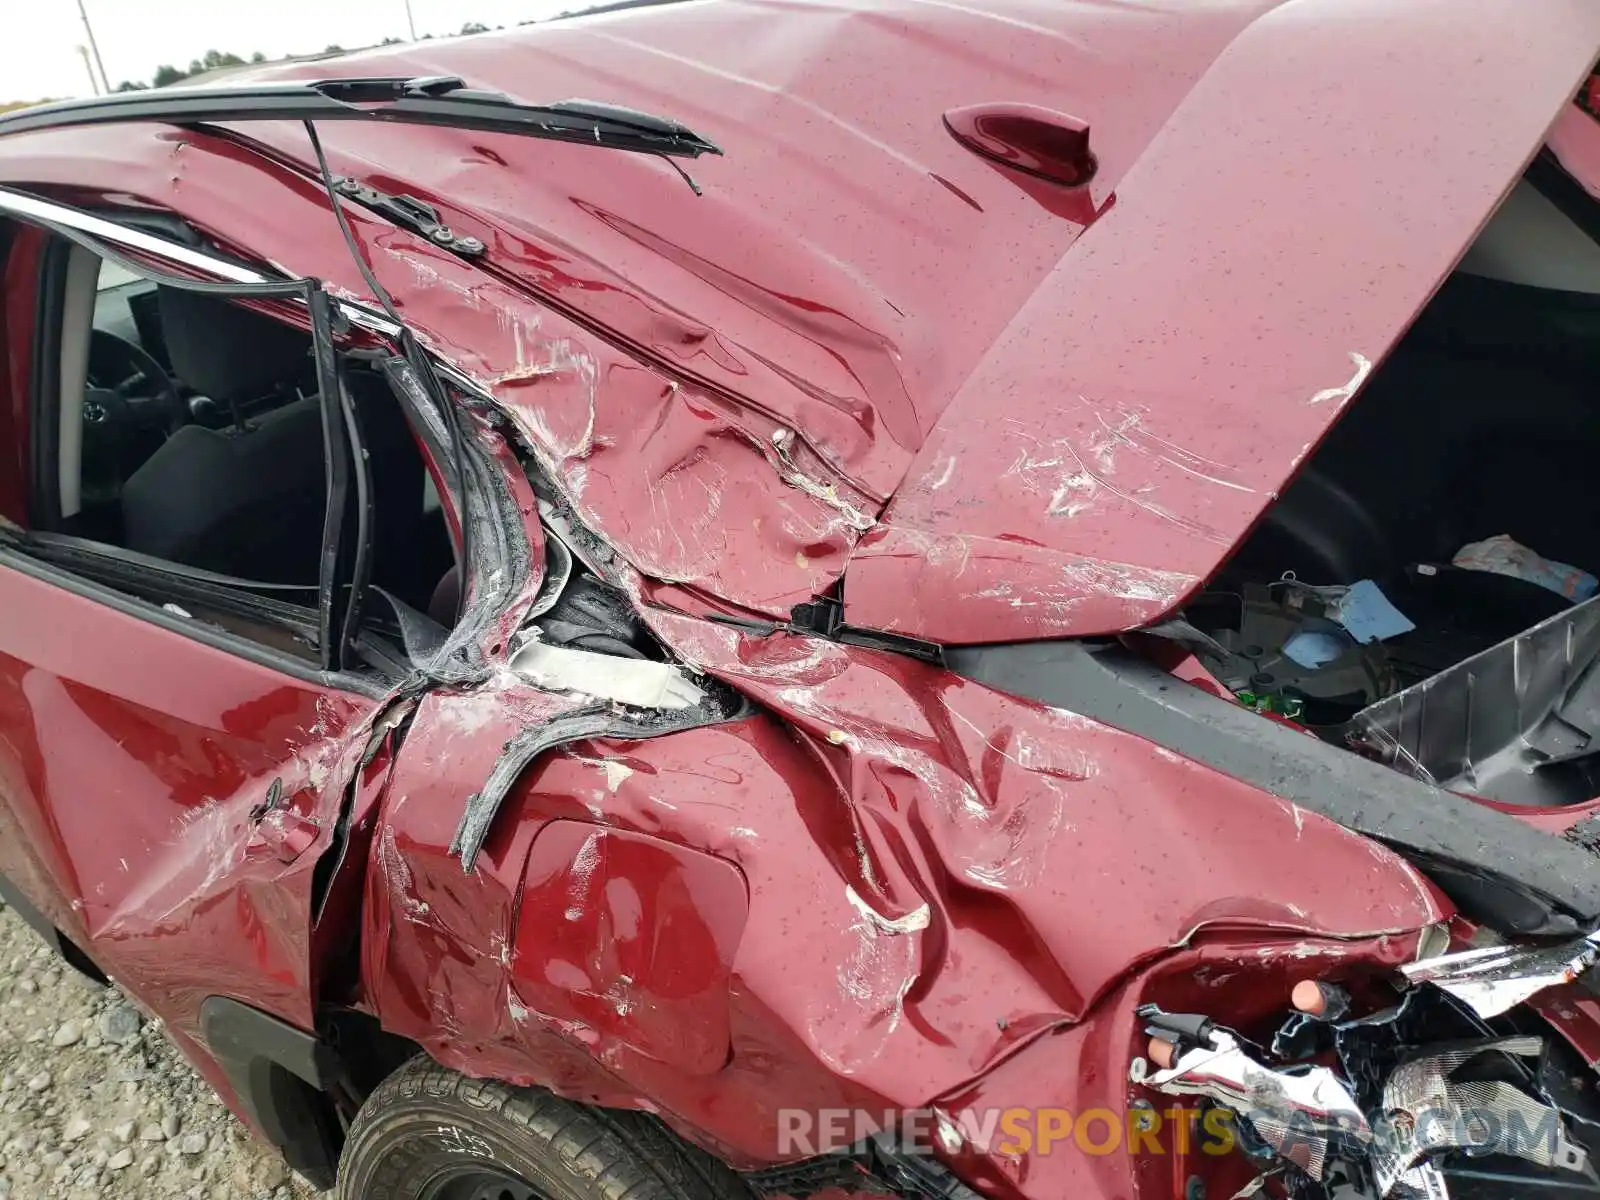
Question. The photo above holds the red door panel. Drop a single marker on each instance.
(136, 767)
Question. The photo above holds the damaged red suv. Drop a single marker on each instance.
(898, 598)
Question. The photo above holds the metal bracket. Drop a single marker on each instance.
(410, 213)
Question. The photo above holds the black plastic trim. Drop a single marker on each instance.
(64, 947)
(443, 101)
(360, 479)
(44, 423)
(23, 907)
(289, 606)
(282, 1076)
(1498, 870)
(1550, 179)
(332, 604)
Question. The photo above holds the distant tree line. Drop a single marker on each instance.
(215, 59)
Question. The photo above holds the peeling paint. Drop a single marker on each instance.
(397, 876)
(1363, 368)
(1125, 581)
(915, 920)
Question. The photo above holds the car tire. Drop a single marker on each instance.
(428, 1133)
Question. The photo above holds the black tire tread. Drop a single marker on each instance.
(612, 1154)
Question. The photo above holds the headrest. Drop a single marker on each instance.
(226, 351)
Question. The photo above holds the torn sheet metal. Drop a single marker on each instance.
(1495, 979)
(1493, 723)
(1014, 798)
(1304, 1114)
(1433, 1106)
(901, 984)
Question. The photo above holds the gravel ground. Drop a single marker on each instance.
(94, 1101)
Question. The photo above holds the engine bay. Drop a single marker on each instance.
(1422, 592)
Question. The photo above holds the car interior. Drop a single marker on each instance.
(191, 432)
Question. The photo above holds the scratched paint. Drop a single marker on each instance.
(992, 429)
(1347, 390)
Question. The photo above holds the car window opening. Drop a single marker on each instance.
(191, 432)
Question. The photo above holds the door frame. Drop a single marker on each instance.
(342, 577)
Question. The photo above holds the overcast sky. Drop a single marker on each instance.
(39, 56)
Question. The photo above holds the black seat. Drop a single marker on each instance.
(245, 501)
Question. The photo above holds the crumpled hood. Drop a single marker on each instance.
(1168, 376)
(996, 408)
(1063, 408)
(848, 265)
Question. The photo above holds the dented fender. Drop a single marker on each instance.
(874, 914)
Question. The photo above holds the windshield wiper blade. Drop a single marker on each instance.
(443, 101)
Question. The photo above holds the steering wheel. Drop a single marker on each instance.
(130, 406)
(128, 392)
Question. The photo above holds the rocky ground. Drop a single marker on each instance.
(94, 1101)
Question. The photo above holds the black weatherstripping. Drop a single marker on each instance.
(44, 490)
(443, 101)
(1498, 870)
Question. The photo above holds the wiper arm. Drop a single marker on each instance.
(444, 101)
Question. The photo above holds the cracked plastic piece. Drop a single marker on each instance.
(1492, 724)
(576, 725)
(1496, 979)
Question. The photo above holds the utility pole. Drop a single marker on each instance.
(410, 20)
(94, 48)
(94, 84)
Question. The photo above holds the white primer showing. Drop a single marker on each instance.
(627, 680)
(616, 771)
(782, 440)
(397, 875)
(1125, 581)
(915, 920)
(1363, 367)
(1301, 951)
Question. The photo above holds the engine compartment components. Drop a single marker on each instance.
(1456, 491)
(1304, 1115)
(1448, 1092)
(1439, 1102)
(1311, 653)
